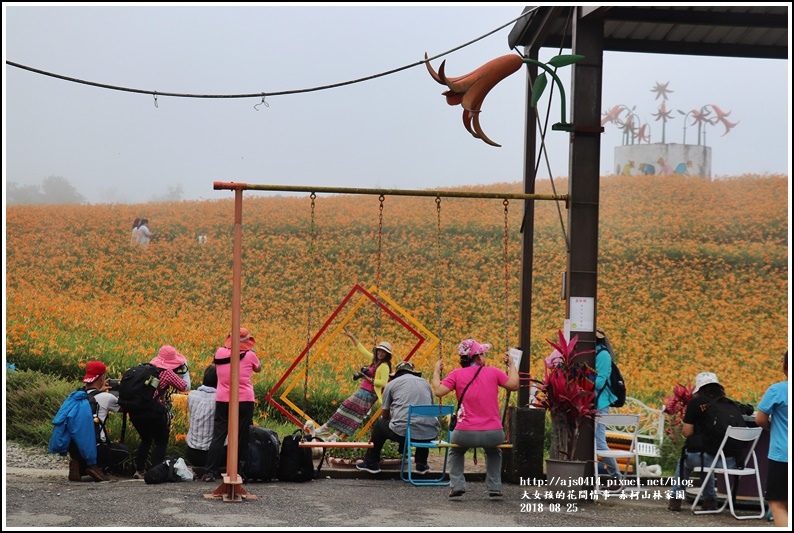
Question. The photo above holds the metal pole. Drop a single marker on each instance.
(220, 185)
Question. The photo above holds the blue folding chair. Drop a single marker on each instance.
(433, 410)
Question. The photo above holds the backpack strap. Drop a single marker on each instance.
(229, 360)
(606, 381)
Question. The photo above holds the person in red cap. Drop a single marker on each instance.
(249, 363)
(155, 426)
(84, 414)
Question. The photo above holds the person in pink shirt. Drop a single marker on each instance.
(479, 422)
(249, 363)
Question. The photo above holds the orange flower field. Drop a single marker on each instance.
(693, 276)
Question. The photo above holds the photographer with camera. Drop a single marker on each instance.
(373, 378)
(89, 445)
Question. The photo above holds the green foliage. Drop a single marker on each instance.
(32, 400)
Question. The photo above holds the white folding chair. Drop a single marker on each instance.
(625, 426)
(750, 436)
(434, 410)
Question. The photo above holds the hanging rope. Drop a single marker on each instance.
(377, 272)
(310, 298)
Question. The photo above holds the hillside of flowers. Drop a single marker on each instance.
(693, 276)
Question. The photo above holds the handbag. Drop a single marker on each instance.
(453, 418)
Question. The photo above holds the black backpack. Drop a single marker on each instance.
(295, 463)
(263, 454)
(137, 388)
(720, 413)
(162, 472)
(616, 385)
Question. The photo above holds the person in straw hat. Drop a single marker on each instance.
(155, 426)
(373, 378)
(249, 363)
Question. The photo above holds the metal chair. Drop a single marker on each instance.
(749, 436)
(626, 426)
(433, 410)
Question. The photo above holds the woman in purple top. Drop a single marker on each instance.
(479, 424)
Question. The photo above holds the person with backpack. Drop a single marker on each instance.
(152, 420)
(249, 363)
(604, 399)
(82, 432)
(772, 415)
(708, 415)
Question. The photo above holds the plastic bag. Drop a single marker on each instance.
(183, 470)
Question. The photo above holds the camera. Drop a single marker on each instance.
(114, 384)
(360, 374)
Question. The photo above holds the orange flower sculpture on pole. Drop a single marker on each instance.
(471, 89)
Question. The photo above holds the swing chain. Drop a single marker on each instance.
(381, 198)
(310, 288)
(439, 302)
(506, 202)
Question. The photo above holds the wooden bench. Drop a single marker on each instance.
(325, 445)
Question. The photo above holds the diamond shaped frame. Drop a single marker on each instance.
(380, 299)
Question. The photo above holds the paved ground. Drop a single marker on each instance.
(341, 499)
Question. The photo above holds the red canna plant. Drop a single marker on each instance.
(567, 393)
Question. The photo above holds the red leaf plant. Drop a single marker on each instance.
(675, 407)
(567, 392)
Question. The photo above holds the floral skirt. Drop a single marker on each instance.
(351, 413)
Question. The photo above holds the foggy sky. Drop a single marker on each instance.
(394, 131)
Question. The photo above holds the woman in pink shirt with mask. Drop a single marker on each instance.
(479, 423)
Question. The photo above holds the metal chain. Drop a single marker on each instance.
(439, 300)
(310, 288)
(381, 198)
(506, 202)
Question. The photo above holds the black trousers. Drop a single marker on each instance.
(109, 456)
(152, 428)
(220, 430)
(381, 432)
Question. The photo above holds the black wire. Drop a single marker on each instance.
(263, 94)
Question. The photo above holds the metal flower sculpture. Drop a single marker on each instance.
(471, 89)
(664, 115)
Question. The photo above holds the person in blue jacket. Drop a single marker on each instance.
(604, 398)
(74, 432)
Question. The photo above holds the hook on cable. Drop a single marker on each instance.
(262, 102)
(155, 99)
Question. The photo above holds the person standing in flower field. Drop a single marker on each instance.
(144, 235)
(134, 236)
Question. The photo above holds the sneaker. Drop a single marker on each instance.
(209, 476)
(372, 468)
(322, 430)
(74, 470)
(456, 493)
(95, 473)
(333, 437)
(138, 475)
(675, 505)
(422, 468)
(495, 494)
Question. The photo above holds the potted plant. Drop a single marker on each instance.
(567, 392)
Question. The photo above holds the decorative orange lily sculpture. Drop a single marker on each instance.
(471, 89)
